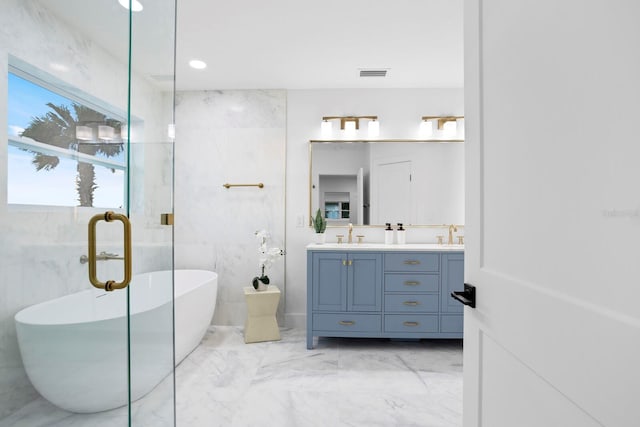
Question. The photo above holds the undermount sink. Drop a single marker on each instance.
(354, 245)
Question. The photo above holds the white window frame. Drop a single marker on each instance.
(52, 84)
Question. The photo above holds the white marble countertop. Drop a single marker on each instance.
(423, 247)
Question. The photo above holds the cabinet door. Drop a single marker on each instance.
(364, 282)
(452, 280)
(329, 281)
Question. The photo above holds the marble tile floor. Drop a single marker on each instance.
(341, 382)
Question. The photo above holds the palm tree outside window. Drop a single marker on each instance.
(55, 136)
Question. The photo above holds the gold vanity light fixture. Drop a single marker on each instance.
(350, 124)
(448, 126)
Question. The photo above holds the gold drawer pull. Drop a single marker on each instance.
(410, 323)
(411, 283)
(344, 262)
(411, 303)
(347, 322)
(412, 262)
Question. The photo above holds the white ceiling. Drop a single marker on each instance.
(284, 44)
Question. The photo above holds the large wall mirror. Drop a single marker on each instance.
(417, 183)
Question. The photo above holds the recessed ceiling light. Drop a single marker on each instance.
(197, 64)
(136, 6)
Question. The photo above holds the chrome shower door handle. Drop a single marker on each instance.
(109, 285)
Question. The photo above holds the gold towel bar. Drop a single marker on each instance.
(259, 185)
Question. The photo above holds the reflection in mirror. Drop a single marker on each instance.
(375, 182)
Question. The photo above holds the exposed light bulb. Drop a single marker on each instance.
(426, 128)
(449, 129)
(350, 128)
(326, 128)
(374, 128)
(460, 129)
(171, 131)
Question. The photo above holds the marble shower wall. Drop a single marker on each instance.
(40, 246)
(235, 137)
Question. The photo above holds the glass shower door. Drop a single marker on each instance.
(150, 206)
(88, 97)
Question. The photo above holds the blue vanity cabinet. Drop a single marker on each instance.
(383, 294)
(451, 320)
(329, 272)
(344, 294)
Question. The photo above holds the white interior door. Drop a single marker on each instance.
(392, 202)
(552, 226)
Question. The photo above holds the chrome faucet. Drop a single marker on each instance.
(350, 233)
(102, 256)
(452, 228)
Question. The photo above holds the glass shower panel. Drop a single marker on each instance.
(151, 200)
(64, 75)
(86, 133)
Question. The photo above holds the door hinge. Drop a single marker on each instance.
(166, 219)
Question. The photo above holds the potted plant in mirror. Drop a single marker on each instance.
(266, 257)
(319, 225)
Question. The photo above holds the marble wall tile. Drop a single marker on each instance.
(235, 137)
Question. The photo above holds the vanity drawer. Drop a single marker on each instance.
(411, 282)
(411, 262)
(416, 323)
(411, 302)
(347, 322)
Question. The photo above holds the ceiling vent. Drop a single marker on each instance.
(373, 72)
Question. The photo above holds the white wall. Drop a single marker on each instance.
(40, 247)
(399, 111)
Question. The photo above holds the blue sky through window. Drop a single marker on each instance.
(57, 187)
(28, 100)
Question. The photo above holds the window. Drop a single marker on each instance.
(62, 152)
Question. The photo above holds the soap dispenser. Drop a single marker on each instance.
(402, 238)
(388, 234)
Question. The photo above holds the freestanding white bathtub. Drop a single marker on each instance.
(74, 348)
